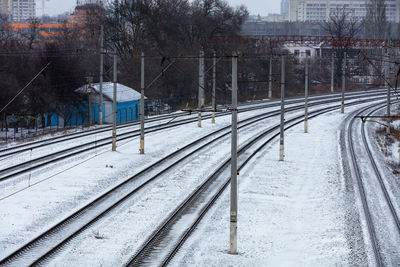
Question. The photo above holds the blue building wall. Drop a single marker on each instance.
(126, 112)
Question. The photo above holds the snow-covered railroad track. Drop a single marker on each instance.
(12, 150)
(166, 240)
(64, 231)
(160, 120)
(377, 205)
(75, 223)
(30, 165)
(15, 149)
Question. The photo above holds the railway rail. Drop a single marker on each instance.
(8, 151)
(66, 229)
(366, 200)
(163, 244)
(36, 163)
(43, 246)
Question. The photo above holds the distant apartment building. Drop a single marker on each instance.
(320, 10)
(18, 10)
(285, 4)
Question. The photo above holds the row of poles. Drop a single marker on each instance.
(234, 111)
(201, 93)
(234, 173)
(115, 81)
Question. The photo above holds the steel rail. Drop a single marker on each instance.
(39, 240)
(5, 152)
(361, 189)
(18, 169)
(142, 254)
(379, 176)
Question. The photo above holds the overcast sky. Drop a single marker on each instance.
(262, 7)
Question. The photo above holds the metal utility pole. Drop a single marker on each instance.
(333, 71)
(281, 143)
(343, 79)
(142, 108)
(270, 78)
(213, 88)
(114, 129)
(101, 75)
(306, 98)
(201, 100)
(387, 79)
(234, 183)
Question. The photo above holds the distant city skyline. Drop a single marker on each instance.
(56, 7)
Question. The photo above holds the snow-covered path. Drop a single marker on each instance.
(291, 213)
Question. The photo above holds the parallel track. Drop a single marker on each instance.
(107, 202)
(8, 151)
(33, 164)
(51, 240)
(163, 244)
(372, 230)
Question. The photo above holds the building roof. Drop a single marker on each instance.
(124, 93)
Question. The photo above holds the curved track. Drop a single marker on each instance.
(60, 233)
(51, 240)
(366, 205)
(11, 150)
(41, 161)
(163, 244)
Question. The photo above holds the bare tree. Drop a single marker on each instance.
(376, 25)
(31, 34)
(167, 28)
(342, 26)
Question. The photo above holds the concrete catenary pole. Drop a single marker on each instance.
(343, 79)
(213, 103)
(270, 78)
(281, 141)
(234, 183)
(333, 71)
(142, 107)
(114, 128)
(306, 97)
(101, 75)
(387, 79)
(89, 90)
(201, 99)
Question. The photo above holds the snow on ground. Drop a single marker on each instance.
(26, 135)
(125, 229)
(28, 213)
(319, 188)
(31, 211)
(291, 213)
(50, 171)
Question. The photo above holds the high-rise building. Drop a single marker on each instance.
(285, 7)
(18, 10)
(320, 10)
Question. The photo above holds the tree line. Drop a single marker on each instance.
(170, 33)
